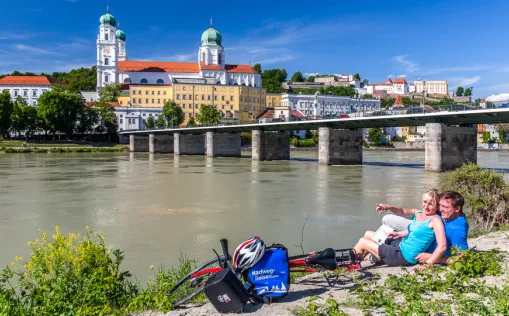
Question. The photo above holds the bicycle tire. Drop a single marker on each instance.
(188, 278)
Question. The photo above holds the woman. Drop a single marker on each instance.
(401, 248)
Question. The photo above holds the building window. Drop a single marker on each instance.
(139, 101)
(152, 101)
(223, 98)
(106, 61)
(164, 100)
(144, 114)
(146, 92)
(160, 81)
(143, 80)
(190, 97)
(164, 92)
(106, 78)
(158, 92)
(215, 98)
(120, 102)
(106, 36)
(203, 57)
(127, 80)
(184, 97)
(134, 92)
(158, 101)
(231, 98)
(190, 114)
(178, 96)
(222, 107)
(34, 103)
(202, 97)
(208, 97)
(146, 101)
(183, 105)
(121, 121)
(34, 93)
(152, 92)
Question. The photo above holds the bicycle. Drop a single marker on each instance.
(328, 259)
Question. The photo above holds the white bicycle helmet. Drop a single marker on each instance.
(248, 253)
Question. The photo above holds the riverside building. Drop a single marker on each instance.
(30, 88)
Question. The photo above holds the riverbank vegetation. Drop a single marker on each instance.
(77, 275)
(36, 150)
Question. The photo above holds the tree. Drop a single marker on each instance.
(173, 114)
(191, 121)
(272, 79)
(311, 79)
(459, 91)
(364, 83)
(108, 123)
(17, 116)
(368, 96)
(60, 109)
(160, 122)
(375, 134)
(87, 120)
(150, 123)
(357, 76)
(208, 115)
(468, 92)
(258, 68)
(32, 122)
(110, 92)
(6, 108)
(81, 79)
(490, 105)
(503, 131)
(298, 77)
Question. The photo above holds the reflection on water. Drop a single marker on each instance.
(155, 207)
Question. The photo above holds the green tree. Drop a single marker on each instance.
(357, 76)
(298, 77)
(108, 123)
(258, 68)
(208, 115)
(272, 79)
(6, 108)
(87, 120)
(81, 79)
(160, 122)
(468, 92)
(191, 121)
(32, 123)
(311, 79)
(503, 131)
(60, 109)
(459, 91)
(364, 83)
(173, 114)
(368, 96)
(110, 92)
(490, 105)
(375, 134)
(486, 137)
(18, 125)
(150, 123)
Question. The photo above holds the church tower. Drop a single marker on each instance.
(107, 51)
(211, 52)
(121, 37)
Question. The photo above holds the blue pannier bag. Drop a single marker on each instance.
(270, 277)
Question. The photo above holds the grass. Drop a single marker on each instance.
(39, 144)
(29, 150)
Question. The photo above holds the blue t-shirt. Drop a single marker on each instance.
(456, 233)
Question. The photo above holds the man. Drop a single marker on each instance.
(451, 212)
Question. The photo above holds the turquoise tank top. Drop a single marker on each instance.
(419, 238)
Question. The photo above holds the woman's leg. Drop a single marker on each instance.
(369, 233)
(367, 245)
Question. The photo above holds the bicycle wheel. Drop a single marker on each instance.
(192, 284)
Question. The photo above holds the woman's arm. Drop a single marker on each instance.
(396, 210)
(437, 225)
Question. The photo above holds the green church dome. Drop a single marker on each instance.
(108, 19)
(120, 35)
(211, 36)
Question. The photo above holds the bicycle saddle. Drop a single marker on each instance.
(326, 259)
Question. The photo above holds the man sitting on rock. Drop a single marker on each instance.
(451, 212)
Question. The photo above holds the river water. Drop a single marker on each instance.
(157, 207)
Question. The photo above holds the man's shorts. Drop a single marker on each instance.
(391, 254)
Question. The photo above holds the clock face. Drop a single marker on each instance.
(107, 50)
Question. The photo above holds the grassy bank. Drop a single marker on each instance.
(10, 150)
(42, 144)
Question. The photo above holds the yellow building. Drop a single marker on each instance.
(124, 99)
(272, 100)
(152, 95)
(234, 102)
(405, 131)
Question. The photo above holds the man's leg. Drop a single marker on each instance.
(396, 222)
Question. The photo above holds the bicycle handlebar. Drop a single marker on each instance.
(224, 245)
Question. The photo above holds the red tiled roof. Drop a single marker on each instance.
(266, 114)
(398, 101)
(158, 66)
(28, 81)
(240, 68)
(296, 113)
(388, 80)
(88, 103)
(345, 75)
(483, 101)
(400, 80)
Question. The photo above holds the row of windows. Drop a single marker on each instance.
(152, 92)
(147, 101)
(26, 92)
(190, 96)
(144, 81)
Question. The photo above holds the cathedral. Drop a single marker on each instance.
(114, 66)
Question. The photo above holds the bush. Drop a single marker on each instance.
(486, 195)
(305, 143)
(294, 141)
(364, 143)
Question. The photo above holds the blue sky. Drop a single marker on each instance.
(465, 42)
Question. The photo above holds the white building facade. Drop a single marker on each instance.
(113, 65)
(432, 86)
(323, 105)
(30, 88)
(134, 118)
(401, 86)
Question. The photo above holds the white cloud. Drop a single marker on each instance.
(464, 81)
(275, 60)
(14, 36)
(78, 44)
(408, 65)
(34, 50)
(503, 69)
(182, 57)
(390, 76)
(402, 76)
(498, 97)
(307, 74)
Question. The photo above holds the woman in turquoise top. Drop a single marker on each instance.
(402, 248)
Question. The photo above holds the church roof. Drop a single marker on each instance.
(400, 80)
(240, 68)
(28, 81)
(204, 66)
(158, 66)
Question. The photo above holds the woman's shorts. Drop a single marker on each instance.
(391, 254)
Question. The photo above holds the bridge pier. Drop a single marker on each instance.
(138, 143)
(160, 143)
(189, 144)
(223, 144)
(448, 147)
(339, 147)
(270, 145)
